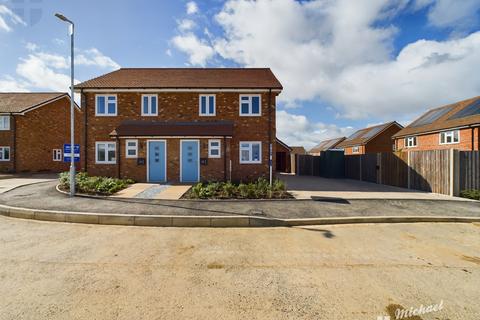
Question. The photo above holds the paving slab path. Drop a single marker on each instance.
(44, 196)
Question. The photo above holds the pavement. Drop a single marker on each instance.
(54, 271)
(9, 181)
(306, 187)
(153, 191)
(44, 196)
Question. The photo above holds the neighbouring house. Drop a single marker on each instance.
(33, 129)
(283, 157)
(181, 124)
(454, 126)
(326, 145)
(372, 139)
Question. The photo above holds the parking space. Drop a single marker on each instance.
(307, 187)
(10, 181)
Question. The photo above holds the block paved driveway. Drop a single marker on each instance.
(54, 270)
(306, 187)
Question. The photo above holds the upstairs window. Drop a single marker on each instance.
(4, 153)
(450, 137)
(355, 149)
(4, 122)
(250, 152)
(410, 142)
(149, 105)
(106, 105)
(207, 105)
(250, 105)
(214, 149)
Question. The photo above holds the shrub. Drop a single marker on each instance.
(259, 189)
(94, 185)
(470, 194)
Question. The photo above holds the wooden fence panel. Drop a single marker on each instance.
(332, 164)
(469, 170)
(430, 171)
(352, 167)
(369, 167)
(394, 169)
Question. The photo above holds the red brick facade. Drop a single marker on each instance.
(33, 136)
(469, 140)
(383, 142)
(181, 107)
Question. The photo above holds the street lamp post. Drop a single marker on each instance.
(72, 107)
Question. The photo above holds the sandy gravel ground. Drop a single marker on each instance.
(68, 271)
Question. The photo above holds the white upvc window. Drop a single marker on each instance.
(206, 105)
(250, 105)
(105, 105)
(355, 149)
(57, 154)
(131, 148)
(105, 152)
(250, 152)
(411, 142)
(214, 148)
(4, 153)
(4, 122)
(450, 137)
(149, 105)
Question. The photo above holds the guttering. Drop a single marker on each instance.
(107, 90)
(270, 146)
(14, 135)
(422, 133)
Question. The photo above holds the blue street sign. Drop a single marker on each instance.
(67, 153)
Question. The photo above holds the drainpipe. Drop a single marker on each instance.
(225, 158)
(119, 154)
(85, 120)
(473, 139)
(270, 147)
(14, 135)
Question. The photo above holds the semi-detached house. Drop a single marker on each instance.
(33, 129)
(454, 126)
(180, 124)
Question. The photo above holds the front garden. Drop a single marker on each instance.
(259, 189)
(94, 185)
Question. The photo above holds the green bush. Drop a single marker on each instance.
(470, 194)
(259, 189)
(94, 185)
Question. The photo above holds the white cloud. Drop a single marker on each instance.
(186, 25)
(298, 130)
(192, 7)
(93, 57)
(9, 84)
(41, 70)
(337, 51)
(451, 13)
(8, 17)
(199, 51)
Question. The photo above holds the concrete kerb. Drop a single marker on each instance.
(209, 221)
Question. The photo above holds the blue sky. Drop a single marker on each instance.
(344, 64)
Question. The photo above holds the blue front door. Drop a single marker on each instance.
(190, 162)
(156, 161)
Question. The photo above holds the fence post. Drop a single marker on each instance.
(379, 166)
(360, 161)
(408, 170)
(454, 172)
